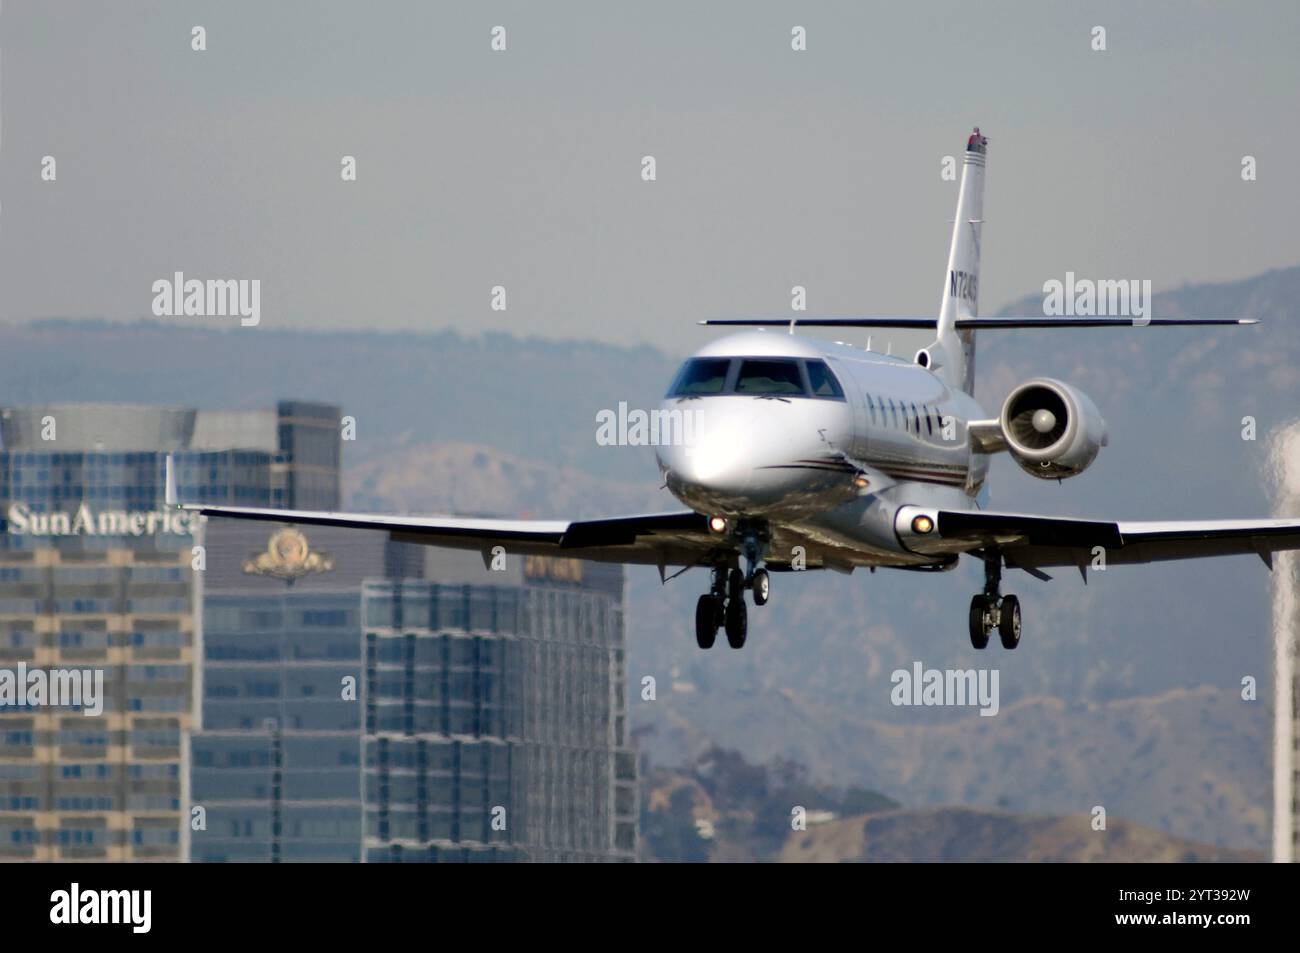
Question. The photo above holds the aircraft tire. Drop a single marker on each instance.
(735, 586)
(1009, 623)
(706, 621)
(979, 630)
(737, 623)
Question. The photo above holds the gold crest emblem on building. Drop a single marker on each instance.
(288, 556)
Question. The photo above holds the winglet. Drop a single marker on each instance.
(169, 497)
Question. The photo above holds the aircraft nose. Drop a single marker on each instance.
(709, 466)
(714, 463)
(750, 457)
(701, 468)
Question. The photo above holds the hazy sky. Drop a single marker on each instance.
(523, 168)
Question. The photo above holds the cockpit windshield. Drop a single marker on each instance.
(756, 377)
(701, 375)
(770, 377)
(823, 382)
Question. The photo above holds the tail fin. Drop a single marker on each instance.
(952, 355)
(953, 351)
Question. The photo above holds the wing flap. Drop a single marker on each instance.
(1022, 529)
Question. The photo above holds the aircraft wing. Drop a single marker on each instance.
(676, 539)
(1032, 541)
(657, 539)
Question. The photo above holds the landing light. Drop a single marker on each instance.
(861, 482)
(922, 524)
(717, 523)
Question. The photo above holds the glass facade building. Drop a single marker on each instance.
(403, 703)
(495, 718)
(96, 576)
(276, 757)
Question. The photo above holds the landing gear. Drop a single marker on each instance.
(724, 603)
(736, 617)
(714, 609)
(1009, 622)
(737, 623)
(730, 611)
(990, 610)
(707, 611)
(735, 586)
(979, 621)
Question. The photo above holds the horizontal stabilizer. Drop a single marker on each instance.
(997, 324)
(921, 323)
(972, 324)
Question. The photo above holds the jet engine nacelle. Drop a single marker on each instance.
(1052, 430)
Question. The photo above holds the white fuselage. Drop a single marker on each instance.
(835, 468)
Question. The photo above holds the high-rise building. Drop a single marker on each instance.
(495, 717)
(276, 756)
(370, 700)
(96, 577)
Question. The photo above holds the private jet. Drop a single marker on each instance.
(812, 455)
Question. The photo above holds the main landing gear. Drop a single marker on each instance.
(724, 607)
(724, 604)
(989, 610)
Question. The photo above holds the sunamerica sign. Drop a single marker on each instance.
(86, 522)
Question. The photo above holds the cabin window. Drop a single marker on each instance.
(776, 377)
(700, 375)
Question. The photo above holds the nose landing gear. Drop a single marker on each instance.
(710, 610)
(707, 612)
(989, 610)
(724, 604)
(737, 616)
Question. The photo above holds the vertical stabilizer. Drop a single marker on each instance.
(953, 350)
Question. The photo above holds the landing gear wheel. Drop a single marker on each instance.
(706, 621)
(979, 624)
(735, 586)
(1009, 623)
(761, 586)
(737, 623)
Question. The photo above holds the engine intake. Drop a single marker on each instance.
(1052, 430)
